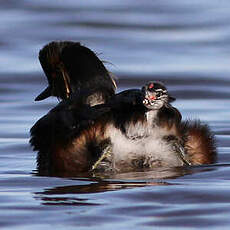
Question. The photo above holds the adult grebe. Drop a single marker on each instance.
(94, 129)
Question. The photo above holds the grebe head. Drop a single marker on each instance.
(155, 95)
(71, 67)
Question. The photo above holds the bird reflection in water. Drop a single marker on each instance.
(71, 194)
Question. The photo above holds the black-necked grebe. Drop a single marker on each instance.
(93, 128)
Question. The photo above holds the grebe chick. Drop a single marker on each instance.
(70, 68)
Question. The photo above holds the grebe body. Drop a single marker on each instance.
(94, 129)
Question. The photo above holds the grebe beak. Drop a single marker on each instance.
(45, 94)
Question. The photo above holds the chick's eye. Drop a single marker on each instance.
(159, 94)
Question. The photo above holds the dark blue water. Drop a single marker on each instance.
(185, 44)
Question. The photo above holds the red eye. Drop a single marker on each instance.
(151, 85)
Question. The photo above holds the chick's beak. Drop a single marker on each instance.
(152, 97)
